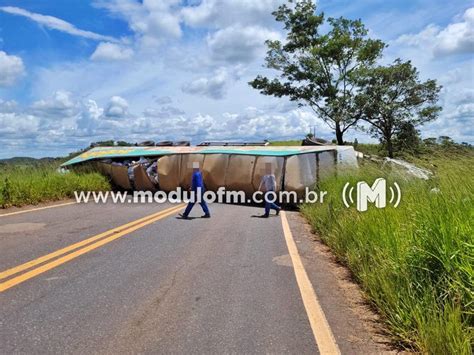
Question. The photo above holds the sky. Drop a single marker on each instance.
(79, 71)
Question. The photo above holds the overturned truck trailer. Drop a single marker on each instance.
(234, 168)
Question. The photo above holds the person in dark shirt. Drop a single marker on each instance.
(197, 187)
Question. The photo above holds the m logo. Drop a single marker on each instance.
(377, 194)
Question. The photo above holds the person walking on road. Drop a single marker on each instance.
(268, 182)
(197, 187)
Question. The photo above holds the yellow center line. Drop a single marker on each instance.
(37, 209)
(48, 266)
(319, 324)
(40, 260)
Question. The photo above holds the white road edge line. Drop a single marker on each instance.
(319, 324)
(37, 209)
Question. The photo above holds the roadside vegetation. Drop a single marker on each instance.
(286, 143)
(26, 184)
(415, 262)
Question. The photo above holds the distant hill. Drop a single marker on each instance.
(26, 161)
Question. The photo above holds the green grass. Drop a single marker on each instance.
(415, 262)
(286, 143)
(371, 149)
(31, 184)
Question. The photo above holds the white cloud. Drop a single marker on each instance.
(89, 118)
(223, 13)
(458, 109)
(117, 107)
(433, 51)
(55, 23)
(111, 51)
(237, 43)
(255, 123)
(15, 125)
(46, 132)
(457, 37)
(163, 100)
(163, 112)
(134, 90)
(60, 105)
(464, 96)
(456, 124)
(213, 87)
(153, 21)
(8, 106)
(11, 69)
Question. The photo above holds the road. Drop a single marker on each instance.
(87, 278)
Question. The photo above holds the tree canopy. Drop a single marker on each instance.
(319, 70)
(393, 96)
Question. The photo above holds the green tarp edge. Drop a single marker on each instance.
(118, 152)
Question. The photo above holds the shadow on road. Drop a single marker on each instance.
(187, 218)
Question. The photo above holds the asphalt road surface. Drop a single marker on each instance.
(115, 279)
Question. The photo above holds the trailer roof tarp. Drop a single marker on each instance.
(136, 152)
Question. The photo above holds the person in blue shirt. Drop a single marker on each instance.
(267, 185)
(197, 187)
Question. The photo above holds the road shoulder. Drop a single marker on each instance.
(41, 205)
(356, 327)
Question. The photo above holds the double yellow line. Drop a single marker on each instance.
(75, 250)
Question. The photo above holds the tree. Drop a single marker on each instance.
(393, 95)
(108, 143)
(355, 144)
(319, 70)
(124, 144)
(407, 138)
(445, 141)
(429, 141)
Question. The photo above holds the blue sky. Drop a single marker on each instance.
(77, 71)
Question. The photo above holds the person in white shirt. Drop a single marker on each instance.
(268, 183)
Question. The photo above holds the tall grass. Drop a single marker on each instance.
(30, 184)
(286, 143)
(371, 149)
(415, 262)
